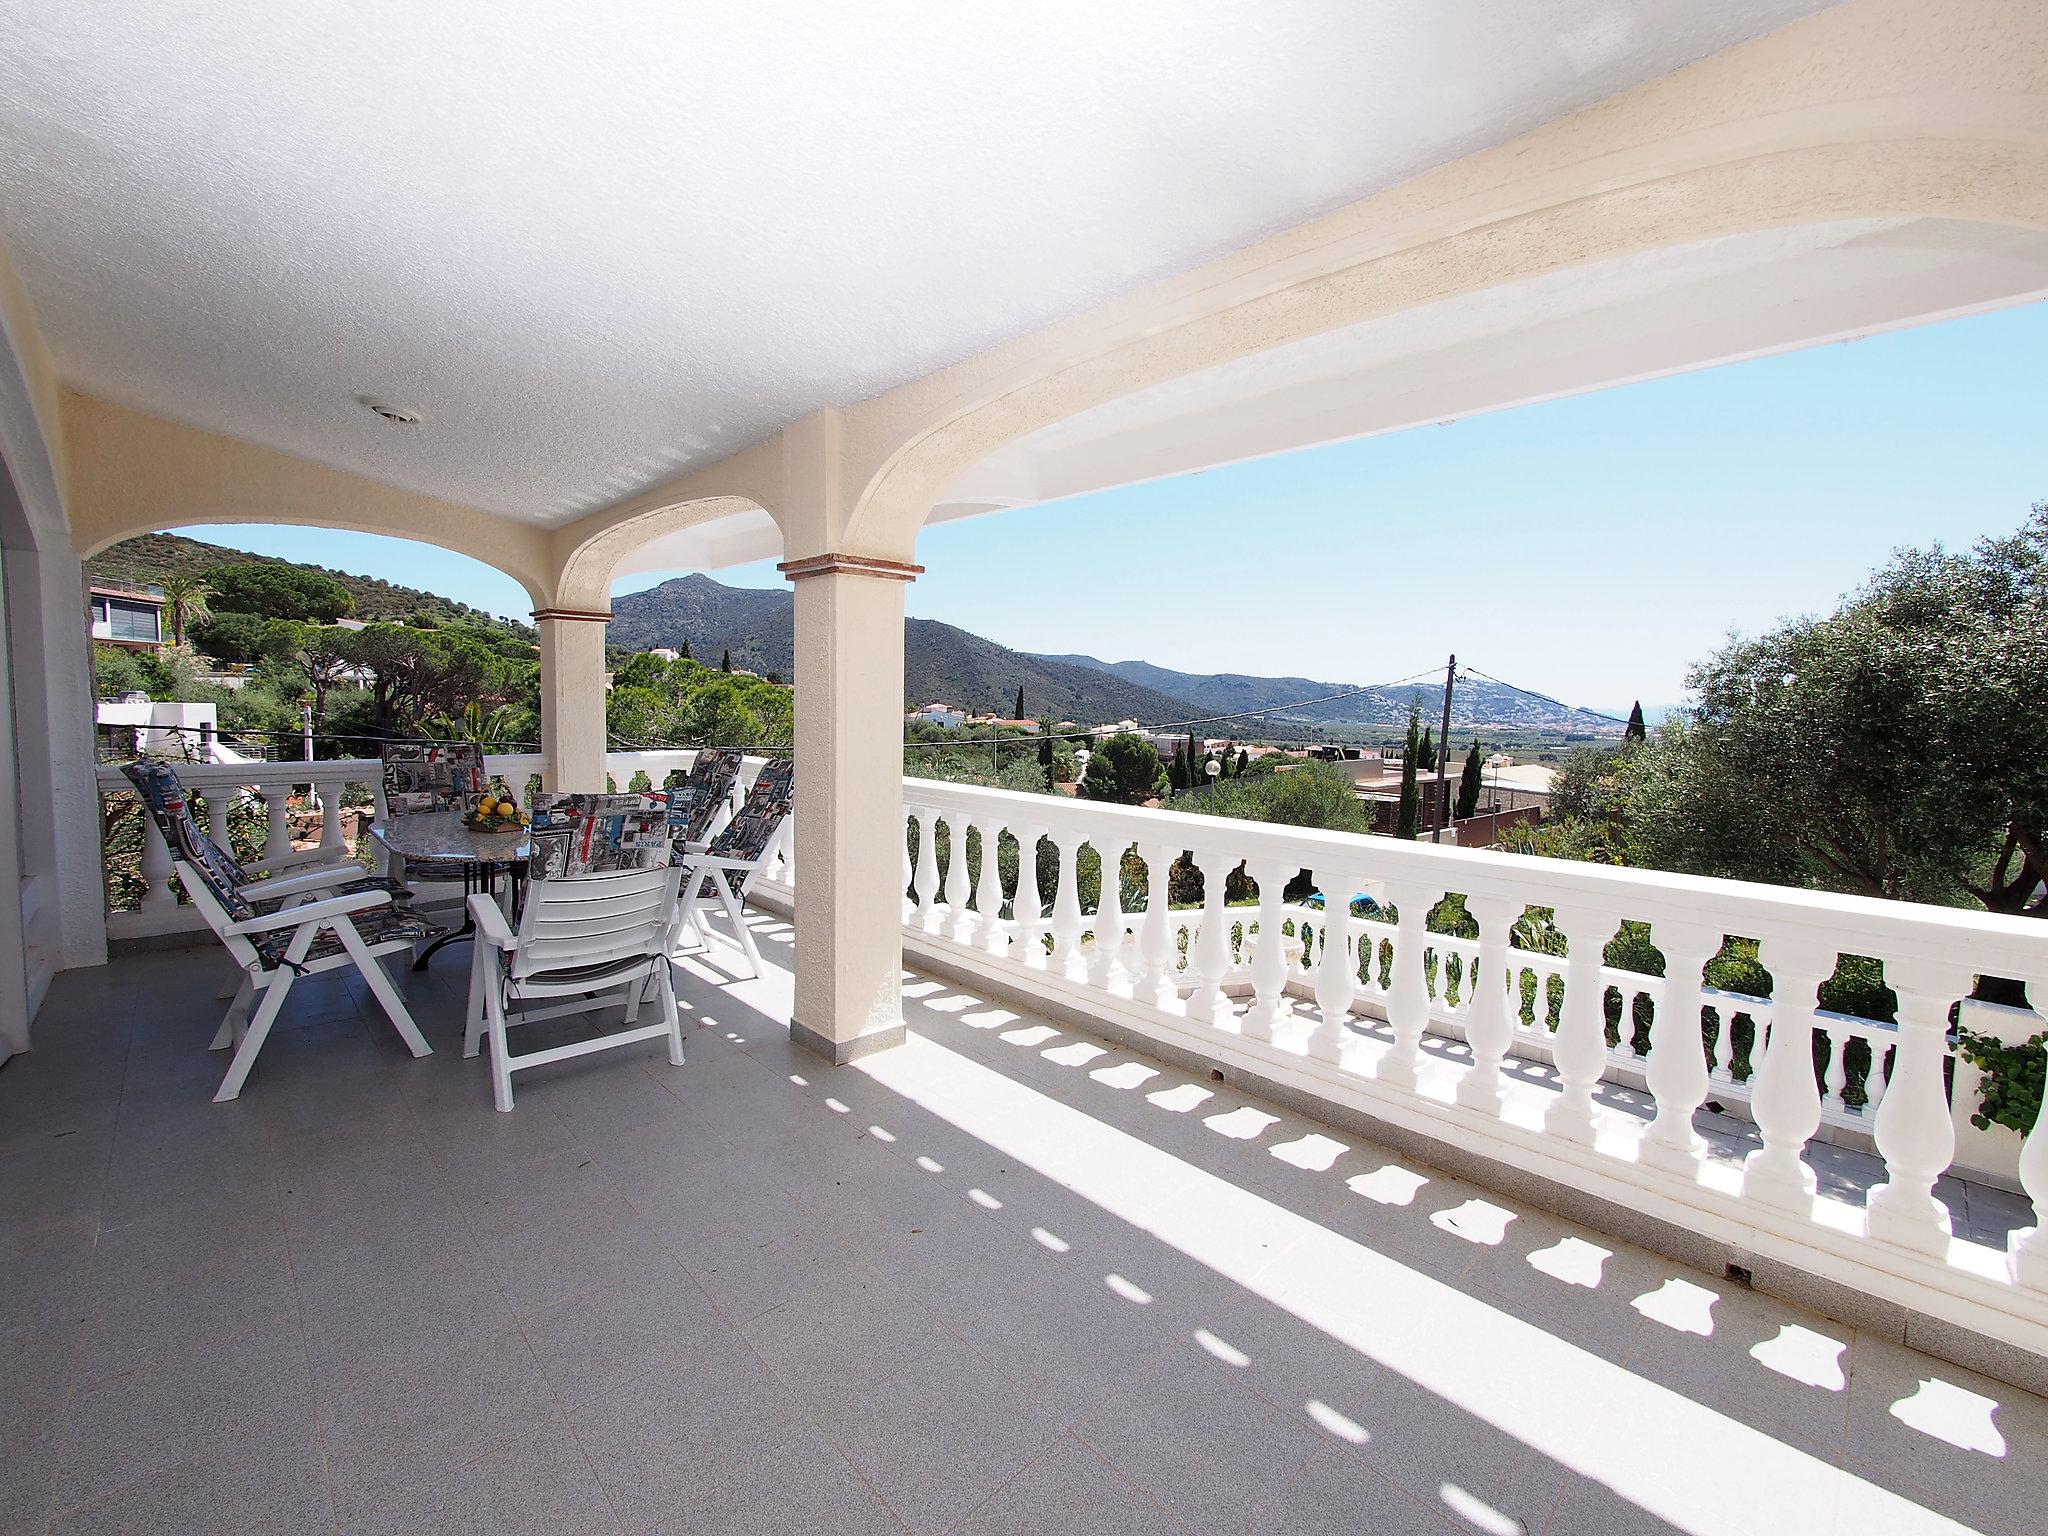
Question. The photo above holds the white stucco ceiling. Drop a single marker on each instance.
(592, 245)
(1586, 328)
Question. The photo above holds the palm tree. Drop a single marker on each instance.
(185, 594)
(486, 730)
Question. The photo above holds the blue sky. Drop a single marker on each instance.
(1590, 548)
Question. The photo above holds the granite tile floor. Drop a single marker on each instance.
(1006, 1279)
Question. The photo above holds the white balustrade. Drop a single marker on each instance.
(1677, 1066)
(1269, 960)
(1066, 903)
(1210, 955)
(1488, 1030)
(926, 881)
(1786, 1099)
(1582, 1029)
(1408, 1000)
(960, 919)
(993, 933)
(1105, 961)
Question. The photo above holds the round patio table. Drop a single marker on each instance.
(439, 837)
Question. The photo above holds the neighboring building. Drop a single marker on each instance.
(942, 715)
(663, 653)
(1028, 726)
(128, 617)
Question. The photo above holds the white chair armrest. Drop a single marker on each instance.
(313, 912)
(490, 923)
(304, 880)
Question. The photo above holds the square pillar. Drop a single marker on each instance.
(849, 803)
(572, 729)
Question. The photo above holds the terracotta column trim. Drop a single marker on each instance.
(854, 565)
(585, 615)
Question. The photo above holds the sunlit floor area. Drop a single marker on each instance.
(1006, 1279)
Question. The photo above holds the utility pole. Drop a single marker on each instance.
(1443, 804)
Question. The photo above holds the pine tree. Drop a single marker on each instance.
(1469, 783)
(1637, 732)
(1408, 814)
(1018, 712)
(725, 662)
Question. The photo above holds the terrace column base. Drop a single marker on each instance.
(849, 804)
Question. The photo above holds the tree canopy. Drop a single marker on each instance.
(1125, 768)
(277, 592)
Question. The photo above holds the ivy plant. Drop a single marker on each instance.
(2013, 1078)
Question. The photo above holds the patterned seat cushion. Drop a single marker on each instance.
(433, 869)
(379, 925)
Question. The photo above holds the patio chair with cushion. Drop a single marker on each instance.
(600, 903)
(723, 873)
(169, 805)
(305, 932)
(422, 777)
(695, 805)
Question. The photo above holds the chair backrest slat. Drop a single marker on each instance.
(575, 834)
(592, 918)
(163, 796)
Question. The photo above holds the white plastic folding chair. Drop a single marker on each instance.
(304, 933)
(721, 877)
(600, 903)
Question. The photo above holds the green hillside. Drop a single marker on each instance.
(151, 558)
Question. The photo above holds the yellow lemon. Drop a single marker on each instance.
(486, 806)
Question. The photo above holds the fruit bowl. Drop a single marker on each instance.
(494, 815)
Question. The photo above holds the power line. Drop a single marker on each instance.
(1576, 709)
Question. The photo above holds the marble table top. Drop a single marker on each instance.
(441, 835)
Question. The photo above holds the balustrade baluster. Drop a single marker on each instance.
(959, 921)
(988, 891)
(2026, 1250)
(1878, 1080)
(157, 895)
(330, 823)
(1155, 936)
(927, 881)
(1912, 1128)
(1837, 1073)
(1785, 1099)
(1028, 905)
(1337, 969)
(1581, 1039)
(1066, 905)
(1677, 1068)
(1269, 951)
(1105, 959)
(277, 840)
(1408, 996)
(1211, 955)
(1488, 1030)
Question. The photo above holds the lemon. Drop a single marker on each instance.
(487, 806)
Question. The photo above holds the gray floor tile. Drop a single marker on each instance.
(252, 1391)
(1071, 1490)
(938, 1438)
(668, 1443)
(399, 1431)
(1335, 1495)
(1206, 1448)
(657, 1320)
(263, 1491)
(538, 1484)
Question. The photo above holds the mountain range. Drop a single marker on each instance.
(146, 561)
(942, 663)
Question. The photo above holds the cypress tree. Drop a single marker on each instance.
(1427, 762)
(1469, 784)
(1637, 732)
(725, 662)
(1045, 751)
(1407, 815)
(686, 650)
(1018, 712)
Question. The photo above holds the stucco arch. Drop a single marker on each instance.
(587, 553)
(132, 473)
(1870, 110)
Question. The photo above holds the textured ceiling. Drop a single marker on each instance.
(593, 245)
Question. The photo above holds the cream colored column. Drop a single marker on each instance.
(849, 803)
(572, 733)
